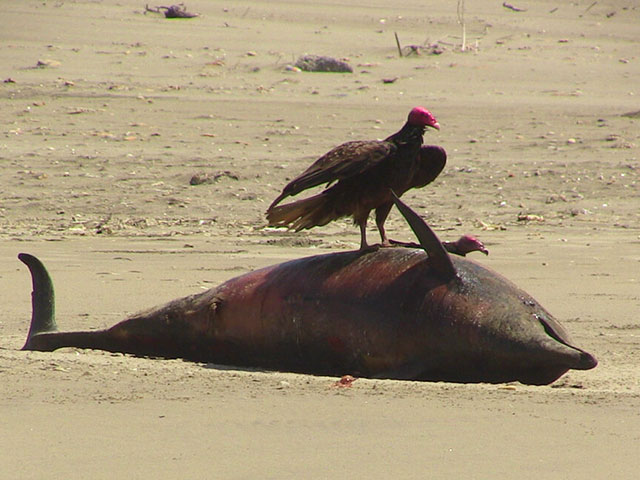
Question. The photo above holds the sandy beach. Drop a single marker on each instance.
(138, 156)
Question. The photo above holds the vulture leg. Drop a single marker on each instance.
(382, 212)
(363, 234)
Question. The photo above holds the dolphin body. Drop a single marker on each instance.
(398, 313)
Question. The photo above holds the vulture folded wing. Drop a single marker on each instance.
(432, 159)
(344, 161)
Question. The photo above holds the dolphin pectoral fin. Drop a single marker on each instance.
(579, 359)
(43, 316)
(428, 240)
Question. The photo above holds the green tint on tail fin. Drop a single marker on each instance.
(43, 316)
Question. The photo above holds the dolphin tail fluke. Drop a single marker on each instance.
(43, 316)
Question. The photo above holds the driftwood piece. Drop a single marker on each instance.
(408, 50)
(588, 8)
(634, 114)
(512, 7)
(174, 11)
(432, 49)
(398, 44)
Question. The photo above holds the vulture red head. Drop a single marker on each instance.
(422, 117)
(466, 244)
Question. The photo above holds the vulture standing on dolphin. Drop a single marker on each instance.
(363, 173)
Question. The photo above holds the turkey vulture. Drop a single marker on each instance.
(360, 176)
(465, 244)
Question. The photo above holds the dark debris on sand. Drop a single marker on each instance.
(319, 63)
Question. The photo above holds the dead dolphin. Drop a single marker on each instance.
(396, 313)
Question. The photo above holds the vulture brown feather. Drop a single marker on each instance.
(359, 178)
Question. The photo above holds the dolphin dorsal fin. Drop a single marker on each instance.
(431, 244)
